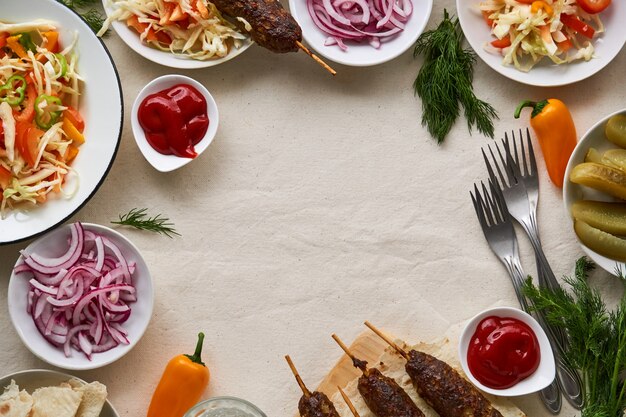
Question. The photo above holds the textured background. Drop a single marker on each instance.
(321, 203)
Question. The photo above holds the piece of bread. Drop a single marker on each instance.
(94, 397)
(56, 402)
(392, 365)
(15, 403)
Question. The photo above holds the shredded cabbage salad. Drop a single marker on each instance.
(188, 28)
(528, 31)
(40, 127)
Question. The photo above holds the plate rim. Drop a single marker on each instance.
(115, 151)
(55, 373)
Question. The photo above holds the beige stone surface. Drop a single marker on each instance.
(321, 203)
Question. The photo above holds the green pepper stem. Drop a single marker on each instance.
(196, 357)
(525, 103)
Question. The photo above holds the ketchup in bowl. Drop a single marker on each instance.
(174, 120)
(502, 352)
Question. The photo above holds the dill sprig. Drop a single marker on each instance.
(85, 9)
(444, 83)
(139, 219)
(597, 338)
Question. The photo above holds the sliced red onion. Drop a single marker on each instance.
(372, 21)
(81, 299)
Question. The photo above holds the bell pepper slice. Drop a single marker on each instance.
(13, 42)
(71, 153)
(3, 39)
(27, 112)
(13, 92)
(5, 178)
(501, 43)
(576, 24)
(47, 112)
(27, 141)
(74, 116)
(27, 42)
(52, 40)
(72, 132)
(62, 62)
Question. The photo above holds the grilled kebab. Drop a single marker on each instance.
(312, 404)
(441, 386)
(383, 395)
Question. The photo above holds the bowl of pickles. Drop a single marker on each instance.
(594, 192)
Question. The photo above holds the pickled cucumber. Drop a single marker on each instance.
(608, 217)
(600, 177)
(604, 243)
(593, 155)
(615, 158)
(615, 130)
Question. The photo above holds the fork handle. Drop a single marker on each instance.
(546, 274)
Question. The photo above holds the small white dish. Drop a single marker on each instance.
(53, 244)
(33, 379)
(165, 58)
(166, 163)
(363, 55)
(546, 74)
(541, 378)
(594, 138)
(225, 404)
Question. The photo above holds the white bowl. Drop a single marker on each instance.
(168, 59)
(546, 74)
(594, 138)
(166, 163)
(51, 245)
(32, 379)
(103, 119)
(363, 55)
(541, 378)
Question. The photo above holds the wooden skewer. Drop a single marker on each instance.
(348, 402)
(305, 390)
(388, 340)
(362, 365)
(316, 58)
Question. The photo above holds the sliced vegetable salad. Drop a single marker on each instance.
(527, 31)
(41, 129)
(190, 28)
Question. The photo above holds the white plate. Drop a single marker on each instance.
(547, 74)
(166, 163)
(38, 378)
(363, 55)
(131, 38)
(52, 245)
(103, 119)
(541, 378)
(594, 138)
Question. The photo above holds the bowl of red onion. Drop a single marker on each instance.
(361, 32)
(80, 297)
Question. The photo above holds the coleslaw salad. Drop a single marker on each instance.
(41, 129)
(192, 29)
(527, 31)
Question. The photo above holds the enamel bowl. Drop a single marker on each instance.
(166, 163)
(136, 325)
(541, 378)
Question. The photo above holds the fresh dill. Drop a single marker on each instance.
(86, 10)
(444, 82)
(597, 338)
(139, 219)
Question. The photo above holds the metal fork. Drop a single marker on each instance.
(497, 226)
(520, 190)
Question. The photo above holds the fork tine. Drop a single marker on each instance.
(489, 214)
(508, 164)
(497, 165)
(531, 153)
(503, 210)
(491, 204)
(492, 174)
(524, 158)
(478, 207)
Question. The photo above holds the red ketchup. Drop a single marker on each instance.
(174, 120)
(502, 352)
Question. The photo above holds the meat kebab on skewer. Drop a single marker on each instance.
(312, 404)
(269, 25)
(442, 387)
(382, 394)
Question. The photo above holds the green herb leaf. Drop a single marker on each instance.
(139, 219)
(597, 338)
(85, 9)
(444, 83)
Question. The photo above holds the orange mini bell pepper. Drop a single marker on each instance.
(182, 384)
(554, 127)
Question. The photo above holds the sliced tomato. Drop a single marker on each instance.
(486, 15)
(5, 178)
(501, 43)
(27, 112)
(565, 46)
(3, 39)
(27, 141)
(576, 24)
(593, 6)
(74, 116)
(134, 23)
